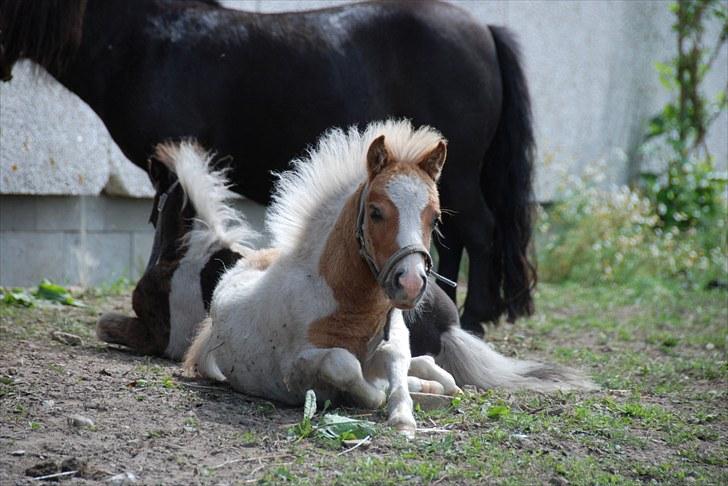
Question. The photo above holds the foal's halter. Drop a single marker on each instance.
(382, 275)
(156, 220)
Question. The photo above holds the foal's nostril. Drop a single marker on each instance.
(398, 278)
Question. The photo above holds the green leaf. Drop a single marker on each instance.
(17, 297)
(56, 293)
(498, 411)
(340, 427)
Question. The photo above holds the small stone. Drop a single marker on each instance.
(710, 346)
(80, 421)
(48, 404)
(122, 479)
(19, 452)
(66, 338)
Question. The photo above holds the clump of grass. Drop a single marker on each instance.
(597, 235)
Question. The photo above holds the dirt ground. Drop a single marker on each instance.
(121, 418)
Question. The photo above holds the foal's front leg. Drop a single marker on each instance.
(393, 359)
(337, 368)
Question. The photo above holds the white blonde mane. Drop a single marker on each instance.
(317, 185)
(209, 192)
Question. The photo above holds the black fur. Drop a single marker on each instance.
(218, 263)
(434, 315)
(262, 87)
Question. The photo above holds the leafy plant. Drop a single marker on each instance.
(16, 296)
(686, 194)
(56, 293)
(330, 426)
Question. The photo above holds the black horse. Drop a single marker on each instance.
(260, 87)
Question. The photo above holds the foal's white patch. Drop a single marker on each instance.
(410, 195)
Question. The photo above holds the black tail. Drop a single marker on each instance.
(507, 183)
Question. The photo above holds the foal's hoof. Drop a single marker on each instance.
(111, 328)
(403, 424)
(406, 429)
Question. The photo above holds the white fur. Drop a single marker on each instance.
(209, 192)
(410, 195)
(473, 362)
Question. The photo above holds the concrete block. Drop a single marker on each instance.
(28, 257)
(126, 214)
(69, 213)
(97, 258)
(17, 213)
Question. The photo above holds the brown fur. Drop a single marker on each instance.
(262, 259)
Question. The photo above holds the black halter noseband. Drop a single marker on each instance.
(156, 220)
(382, 275)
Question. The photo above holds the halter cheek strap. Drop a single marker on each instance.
(382, 275)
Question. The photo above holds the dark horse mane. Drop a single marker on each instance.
(48, 31)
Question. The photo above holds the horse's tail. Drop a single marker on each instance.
(199, 360)
(209, 192)
(506, 182)
(473, 362)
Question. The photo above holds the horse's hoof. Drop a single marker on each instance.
(405, 428)
(472, 325)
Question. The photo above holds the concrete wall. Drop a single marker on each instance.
(590, 66)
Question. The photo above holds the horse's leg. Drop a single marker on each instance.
(392, 359)
(476, 225)
(337, 368)
(450, 253)
(425, 368)
(127, 331)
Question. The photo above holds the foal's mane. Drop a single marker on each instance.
(316, 187)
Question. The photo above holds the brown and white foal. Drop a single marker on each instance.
(352, 223)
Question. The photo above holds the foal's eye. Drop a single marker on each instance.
(375, 214)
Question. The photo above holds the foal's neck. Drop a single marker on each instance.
(342, 266)
(362, 306)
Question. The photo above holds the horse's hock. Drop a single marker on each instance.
(73, 209)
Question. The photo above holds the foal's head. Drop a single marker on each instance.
(171, 215)
(398, 210)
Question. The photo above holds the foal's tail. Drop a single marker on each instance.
(506, 180)
(473, 362)
(218, 223)
(199, 360)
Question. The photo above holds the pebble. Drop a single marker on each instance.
(122, 479)
(710, 346)
(19, 452)
(80, 421)
(66, 338)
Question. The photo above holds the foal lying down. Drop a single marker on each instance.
(351, 224)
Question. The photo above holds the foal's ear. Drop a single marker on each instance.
(432, 162)
(377, 157)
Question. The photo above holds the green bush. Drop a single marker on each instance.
(596, 235)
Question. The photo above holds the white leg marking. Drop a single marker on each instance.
(424, 367)
(392, 358)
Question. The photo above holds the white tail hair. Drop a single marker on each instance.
(209, 192)
(471, 361)
(199, 360)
